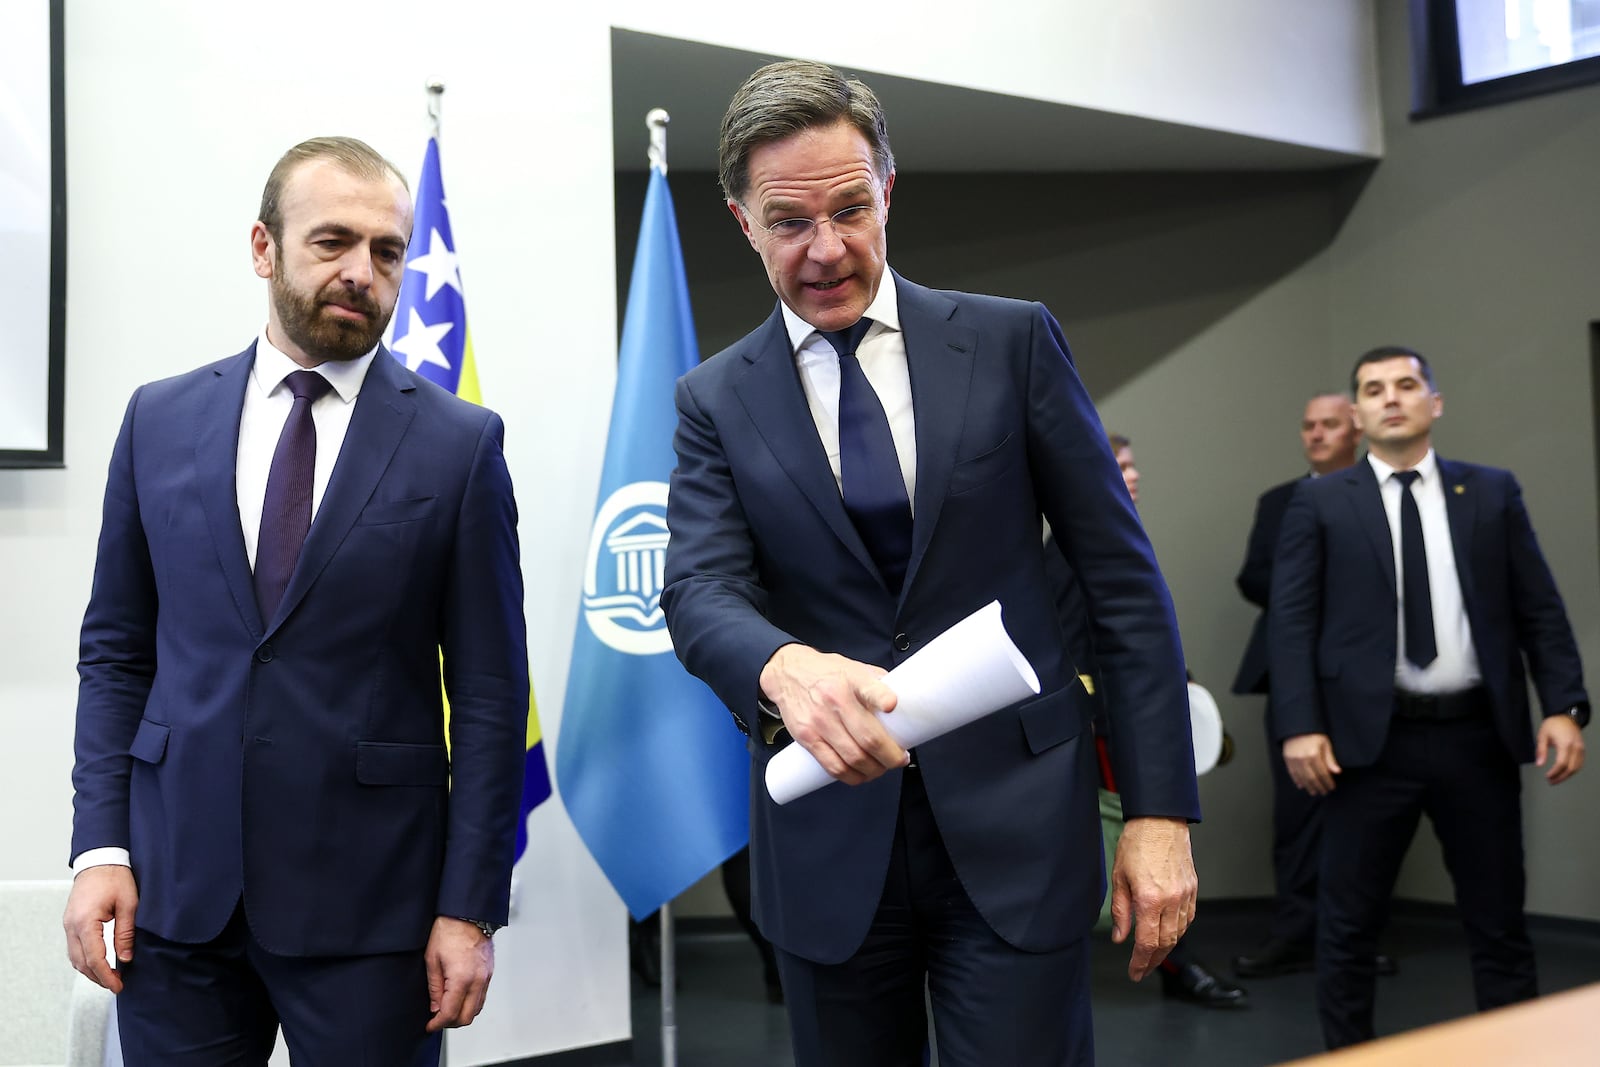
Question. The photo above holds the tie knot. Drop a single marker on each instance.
(1406, 478)
(307, 385)
(844, 342)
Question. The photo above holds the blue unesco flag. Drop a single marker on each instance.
(651, 768)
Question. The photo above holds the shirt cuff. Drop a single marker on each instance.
(110, 855)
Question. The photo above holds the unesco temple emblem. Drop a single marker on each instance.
(623, 569)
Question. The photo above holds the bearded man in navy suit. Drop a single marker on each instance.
(862, 471)
(265, 808)
(1407, 593)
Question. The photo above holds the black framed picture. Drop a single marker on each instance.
(33, 234)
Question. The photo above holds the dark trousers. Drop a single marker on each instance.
(219, 1004)
(1459, 774)
(992, 1003)
(1296, 851)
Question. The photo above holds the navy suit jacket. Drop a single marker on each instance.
(1255, 582)
(300, 761)
(763, 554)
(1334, 634)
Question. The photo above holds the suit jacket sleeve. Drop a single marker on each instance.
(485, 652)
(1255, 576)
(116, 659)
(1543, 630)
(713, 598)
(1134, 629)
(1294, 617)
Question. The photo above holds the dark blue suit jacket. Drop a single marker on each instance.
(300, 760)
(1255, 582)
(1334, 634)
(763, 554)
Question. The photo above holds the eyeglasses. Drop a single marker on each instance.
(798, 231)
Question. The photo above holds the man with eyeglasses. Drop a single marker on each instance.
(862, 471)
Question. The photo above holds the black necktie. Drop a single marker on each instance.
(869, 469)
(1421, 649)
(286, 510)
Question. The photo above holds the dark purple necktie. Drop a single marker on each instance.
(873, 487)
(1421, 648)
(286, 510)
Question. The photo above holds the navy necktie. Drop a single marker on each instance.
(873, 487)
(1421, 648)
(286, 509)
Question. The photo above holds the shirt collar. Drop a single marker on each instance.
(883, 311)
(1425, 467)
(272, 366)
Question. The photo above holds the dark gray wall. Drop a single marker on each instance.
(1204, 308)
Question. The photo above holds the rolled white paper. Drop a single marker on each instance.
(971, 670)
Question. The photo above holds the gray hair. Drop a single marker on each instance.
(780, 100)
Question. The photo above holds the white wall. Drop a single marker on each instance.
(176, 111)
(1301, 73)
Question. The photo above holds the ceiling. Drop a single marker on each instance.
(999, 133)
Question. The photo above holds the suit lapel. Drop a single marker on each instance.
(771, 394)
(218, 406)
(1461, 507)
(1367, 500)
(940, 357)
(384, 409)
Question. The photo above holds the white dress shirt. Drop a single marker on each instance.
(267, 402)
(882, 355)
(266, 408)
(1456, 666)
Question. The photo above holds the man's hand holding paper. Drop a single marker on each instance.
(829, 705)
(970, 670)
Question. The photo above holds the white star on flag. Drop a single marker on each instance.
(420, 344)
(439, 264)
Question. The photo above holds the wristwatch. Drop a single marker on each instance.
(1578, 713)
(488, 929)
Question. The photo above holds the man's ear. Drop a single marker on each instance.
(263, 250)
(744, 223)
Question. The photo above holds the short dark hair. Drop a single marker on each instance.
(1387, 352)
(353, 156)
(780, 100)
(1118, 442)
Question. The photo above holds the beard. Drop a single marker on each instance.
(322, 336)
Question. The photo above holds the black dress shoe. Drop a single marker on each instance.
(1194, 983)
(1386, 965)
(1273, 959)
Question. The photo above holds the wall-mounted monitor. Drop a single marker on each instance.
(1472, 53)
(33, 234)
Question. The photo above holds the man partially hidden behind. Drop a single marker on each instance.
(1407, 593)
(1184, 974)
(1328, 437)
(292, 537)
(864, 470)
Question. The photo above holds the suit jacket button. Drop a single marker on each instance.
(902, 642)
(264, 654)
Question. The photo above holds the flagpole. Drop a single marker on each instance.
(656, 122)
